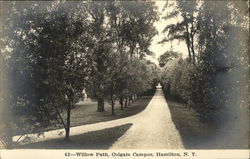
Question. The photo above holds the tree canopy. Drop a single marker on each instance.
(54, 50)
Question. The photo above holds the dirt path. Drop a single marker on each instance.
(152, 128)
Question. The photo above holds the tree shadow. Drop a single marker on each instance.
(101, 139)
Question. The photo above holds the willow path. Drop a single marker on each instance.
(152, 128)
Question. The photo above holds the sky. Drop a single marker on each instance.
(159, 49)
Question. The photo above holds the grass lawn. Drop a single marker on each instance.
(102, 139)
(85, 112)
(200, 134)
(194, 133)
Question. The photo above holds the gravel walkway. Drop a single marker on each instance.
(152, 129)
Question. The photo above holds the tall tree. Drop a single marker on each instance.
(98, 55)
(185, 29)
(123, 30)
(46, 62)
(139, 30)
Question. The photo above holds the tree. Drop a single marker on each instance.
(138, 28)
(119, 30)
(112, 88)
(46, 62)
(184, 29)
(218, 41)
(98, 55)
(166, 57)
(53, 50)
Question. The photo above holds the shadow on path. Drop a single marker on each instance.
(102, 139)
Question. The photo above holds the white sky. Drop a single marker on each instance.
(159, 49)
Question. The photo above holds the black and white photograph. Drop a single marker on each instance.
(124, 75)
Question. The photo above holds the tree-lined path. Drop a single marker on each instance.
(152, 128)
(54, 53)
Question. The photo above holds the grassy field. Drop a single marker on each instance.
(197, 133)
(93, 140)
(194, 133)
(85, 111)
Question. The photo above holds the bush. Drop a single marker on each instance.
(189, 84)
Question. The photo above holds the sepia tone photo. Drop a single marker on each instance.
(109, 75)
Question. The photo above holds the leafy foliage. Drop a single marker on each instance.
(53, 50)
(166, 57)
(215, 43)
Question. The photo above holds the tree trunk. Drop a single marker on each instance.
(131, 98)
(188, 44)
(67, 129)
(100, 105)
(121, 102)
(192, 49)
(186, 105)
(132, 50)
(113, 107)
(189, 105)
(139, 96)
(192, 41)
(135, 96)
(126, 102)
